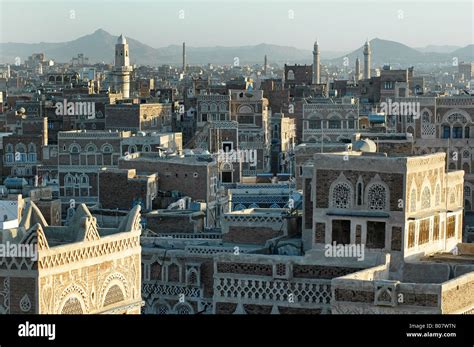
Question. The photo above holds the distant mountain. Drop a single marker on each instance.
(99, 47)
(437, 49)
(395, 53)
(465, 53)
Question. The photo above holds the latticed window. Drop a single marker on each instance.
(436, 228)
(183, 309)
(161, 309)
(341, 196)
(377, 197)
(72, 306)
(426, 198)
(413, 200)
(192, 277)
(451, 227)
(113, 296)
(424, 236)
(411, 235)
(281, 269)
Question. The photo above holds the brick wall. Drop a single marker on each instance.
(250, 235)
(324, 179)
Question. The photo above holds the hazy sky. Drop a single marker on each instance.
(338, 25)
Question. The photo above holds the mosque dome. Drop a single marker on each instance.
(365, 145)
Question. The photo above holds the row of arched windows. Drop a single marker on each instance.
(376, 195)
(72, 180)
(20, 153)
(20, 147)
(213, 107)
(426, 198)
(90, 148)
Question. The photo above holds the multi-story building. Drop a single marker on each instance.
(250, 110)
(443, 125)
(330, 121)
(406, 206)
(77, 269)
(81, 154)
(138, 116)
(23, 150)
(193, 176)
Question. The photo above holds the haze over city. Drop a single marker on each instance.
(338, 25)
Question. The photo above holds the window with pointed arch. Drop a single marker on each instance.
(413, 200)
(183, 309)
(377, 197)
(341, 195)
(192, 278)
(426, 198)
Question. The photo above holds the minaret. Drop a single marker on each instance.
(265, 65)
(357, 70)
(122, 68)
(184, 57)
(316, 64)
(367, 60)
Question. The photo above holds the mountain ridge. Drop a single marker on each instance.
(99, 47)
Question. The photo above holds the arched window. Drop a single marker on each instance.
(341, 195)
(107, 148)
(183, 309)
(377, 197)
(20, 148)
(290, 75)
(32, 148)
(9, 148)
(192, 277)
(204, 108)
(426, 198)
(74, 148)
(72, 306)
(113, 296)
(91, 148)
(84, 179)
(213, 107)
(69, 179)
